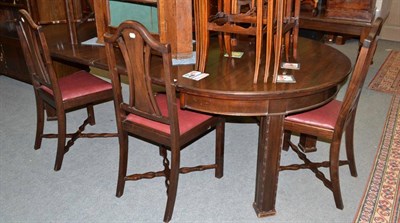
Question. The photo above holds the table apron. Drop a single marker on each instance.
(255, 106)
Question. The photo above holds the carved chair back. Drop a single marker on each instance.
(37, 54)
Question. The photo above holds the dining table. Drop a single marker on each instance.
(229, 90)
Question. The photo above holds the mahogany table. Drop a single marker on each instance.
(229, 90)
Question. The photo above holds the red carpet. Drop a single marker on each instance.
(388, 77)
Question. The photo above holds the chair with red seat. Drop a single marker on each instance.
(151, 116)
(75, 91)
(332, 120)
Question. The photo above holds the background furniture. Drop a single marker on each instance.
(75, 91)
(155, 117)
(10, 47)
(46, 13)
(332, 120)
(278, 20)
(174, 22)
(353, 17)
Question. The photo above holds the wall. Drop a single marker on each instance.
(391, 27)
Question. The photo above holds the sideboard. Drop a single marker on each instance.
(345, 17)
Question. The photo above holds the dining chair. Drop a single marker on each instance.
(153, 116)
(278, 20)
(68, 93)
(332, 120)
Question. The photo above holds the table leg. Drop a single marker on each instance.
(269, 151)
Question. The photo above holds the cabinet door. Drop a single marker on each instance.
(53, 11)
(12, 61)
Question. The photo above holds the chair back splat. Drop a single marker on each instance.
(331, 121)
(153, 116)
(59, 95)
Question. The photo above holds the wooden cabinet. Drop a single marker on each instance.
(174, 23)
(360, 10)
(44, 12)
(12, 61)
(342, 17)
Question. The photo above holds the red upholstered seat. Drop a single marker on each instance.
(78, 84)
(324, 116)
(187, 119)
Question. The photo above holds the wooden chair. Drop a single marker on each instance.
(277, 19)
(75, 91)
(330, 121)
(155, 117)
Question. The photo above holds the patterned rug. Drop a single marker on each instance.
(380, 202)
(388, 77)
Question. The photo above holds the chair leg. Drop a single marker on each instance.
(50, 112)
(334, 174)
(39, 123)
(219, 148)
(123, 161)
(350, 147)
(227, 42)
(62, 128)
(221, 42)
(173, 183)
(308, 143)
(90, 112)
(286, 138)
(258, 57)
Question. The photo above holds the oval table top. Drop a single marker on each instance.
(229, 88)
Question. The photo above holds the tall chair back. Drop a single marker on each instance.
(153, 116)
(37, 54)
